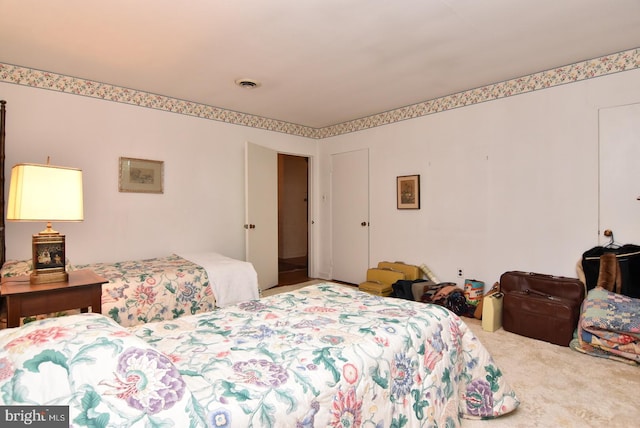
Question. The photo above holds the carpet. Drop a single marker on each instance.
(557, 387)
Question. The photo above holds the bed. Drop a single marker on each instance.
(162, 288)
(324, 355)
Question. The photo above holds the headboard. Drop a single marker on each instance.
(3, 116)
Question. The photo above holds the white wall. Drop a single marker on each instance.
(202, 207)
(506, 184)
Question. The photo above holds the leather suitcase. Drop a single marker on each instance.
(411, 272)
(379, 281)
(540, 306)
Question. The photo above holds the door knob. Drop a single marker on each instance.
(364, 223)
(249, 226)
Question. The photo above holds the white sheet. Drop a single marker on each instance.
(232, 281)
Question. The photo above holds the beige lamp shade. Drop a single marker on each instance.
(45, 193)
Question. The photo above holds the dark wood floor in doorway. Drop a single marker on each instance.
(293, 270)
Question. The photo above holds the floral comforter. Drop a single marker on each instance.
(106, 375)
(323, 356)
(328, 355)
(161, 288)
(141, 291)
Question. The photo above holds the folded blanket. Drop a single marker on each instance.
(609, 326)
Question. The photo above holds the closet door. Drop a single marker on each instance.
(619, 173)
(350, 216)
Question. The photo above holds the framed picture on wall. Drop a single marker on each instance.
(141, 175)
(408, 192)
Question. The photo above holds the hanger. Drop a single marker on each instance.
(612, 244)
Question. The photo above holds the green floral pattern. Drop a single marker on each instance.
(106, 375)
(162, 288)
(323, 356)
(141, 291)
(330, 356)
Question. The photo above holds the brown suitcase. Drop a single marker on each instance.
(542, 307)
(411, 272)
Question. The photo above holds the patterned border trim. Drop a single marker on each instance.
(609, 64)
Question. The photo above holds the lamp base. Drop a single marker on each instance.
(48, 259)
(45, 278)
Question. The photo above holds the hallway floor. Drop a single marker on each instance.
(293, 270)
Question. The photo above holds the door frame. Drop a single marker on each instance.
(311, 206)
(311, 212)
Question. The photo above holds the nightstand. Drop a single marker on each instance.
(81, 291)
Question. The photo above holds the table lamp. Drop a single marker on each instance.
(46, 193)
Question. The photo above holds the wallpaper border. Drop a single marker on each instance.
(602, 66)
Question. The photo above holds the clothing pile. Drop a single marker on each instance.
(452, 297)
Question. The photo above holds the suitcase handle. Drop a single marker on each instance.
(540, 293)
(545, 275)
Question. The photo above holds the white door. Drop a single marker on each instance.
(620, 173)
(350, 216)
(261, 217)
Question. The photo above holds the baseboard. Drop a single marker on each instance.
(324, 275)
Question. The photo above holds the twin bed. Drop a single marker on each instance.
(163, 288)
(326, 355)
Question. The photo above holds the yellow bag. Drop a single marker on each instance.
(492, 312)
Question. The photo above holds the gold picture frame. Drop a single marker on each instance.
(408, 192)
(141, 175)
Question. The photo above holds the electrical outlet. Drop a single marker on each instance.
(460, 274)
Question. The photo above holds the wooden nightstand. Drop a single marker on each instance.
(83, 290)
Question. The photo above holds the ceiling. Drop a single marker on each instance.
(318, 62)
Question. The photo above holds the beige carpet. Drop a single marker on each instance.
(557, 387)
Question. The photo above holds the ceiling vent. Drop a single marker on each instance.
(247, 83)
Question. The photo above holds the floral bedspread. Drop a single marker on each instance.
(609, 326)
(141, 291)
(329, 355)
(161, 288)
(107, 376)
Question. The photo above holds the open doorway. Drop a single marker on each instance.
(293, 219)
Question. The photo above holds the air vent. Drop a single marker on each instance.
(247, 83)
